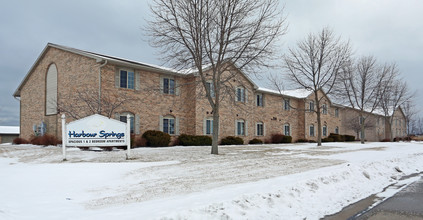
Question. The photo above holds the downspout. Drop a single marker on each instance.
(20, 112)
(99, 86)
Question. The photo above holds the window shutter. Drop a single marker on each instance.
(246, 95)
(255, 99)
(117, 116)
(262, 100)
(117, 79)
(137, 81)
(161, 123)
(204, 126)
(177, 126)
(246, 128)
(137, 124)
(177, 89)
(161, 86)
(264, 129)
(236, 128)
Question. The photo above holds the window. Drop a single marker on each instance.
(169, 125)
(260, 129)
(240, 127)
(209, 126)
(337, 130)
(286, 129)
(51, 90)
(311, 130)
(168, 86)
(324, 109)
(325, 131)
(311, 106)
(361, 120)
(240, 94)
(286, 105)
(122, 118)
(337, 112)
(127, 79)
(259, 99)
(210, 88)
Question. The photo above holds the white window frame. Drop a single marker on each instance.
(240, 127)
(130, 84)
(208, 130)
(310, 129)
(240, 94)
(324, 131)
(287, 132)
(324, 109)
(257, 129)
(210, 88)
(260, 99)
(286, 104)
(311, 106)
(170, 121)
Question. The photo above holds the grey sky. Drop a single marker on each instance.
(391, 30)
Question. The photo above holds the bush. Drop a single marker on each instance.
(156, 138)
(255, 141)
(328, 139)
(301, 140)
(280, 138)
(194, 140)
(349, 137)
(385, 140)
(231, 140)
(139, 142)
(337, 137)
(407, 138)
(311, 141)
(45, 140)
(277, 138)
(20, 141)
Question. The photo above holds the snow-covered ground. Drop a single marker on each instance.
(290, 181)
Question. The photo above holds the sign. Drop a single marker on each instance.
(95, 131)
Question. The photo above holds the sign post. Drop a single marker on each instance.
(128, 136)
(64, 136)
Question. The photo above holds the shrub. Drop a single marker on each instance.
(280, 138)
(349, 137)
(156, 138)
(277, 138)
(301, 140)
(194, 140)
(139, 142)
(311, 141)
(20, 141)
(407, 138)
(328, 139)
(231, 140)
(385, 140)
(45, 140)
(255, 141)
(337, 137)
(397, 139)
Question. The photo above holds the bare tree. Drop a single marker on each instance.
(86, 102)
(362, 86)
(199, 33)
(396, 95)
(316, 64)
(410, 112)
(356, 123)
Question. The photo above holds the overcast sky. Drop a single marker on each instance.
(391, 30)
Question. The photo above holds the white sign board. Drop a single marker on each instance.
(96, 130)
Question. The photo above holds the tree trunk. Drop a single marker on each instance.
(215, 137)
(319, 121)
(362, 130)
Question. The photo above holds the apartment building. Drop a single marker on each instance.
(159, 98)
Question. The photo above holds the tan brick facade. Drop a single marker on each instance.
(79, 70)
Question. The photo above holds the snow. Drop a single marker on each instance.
(9, 129)
(296, 93)
(292, 181)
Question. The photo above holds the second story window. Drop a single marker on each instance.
(210, 88)
(122, 118)
(324, 109)
(311, 106)
(168, 86)
(240, 94)
(337, 112)
(286, 104)
(325, 131)
(259, 99)
(311, 130)
(127, 79)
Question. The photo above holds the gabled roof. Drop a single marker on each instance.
(295, 93)
(99, 58)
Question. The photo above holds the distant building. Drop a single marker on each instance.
(174, 102)
(8, 133)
